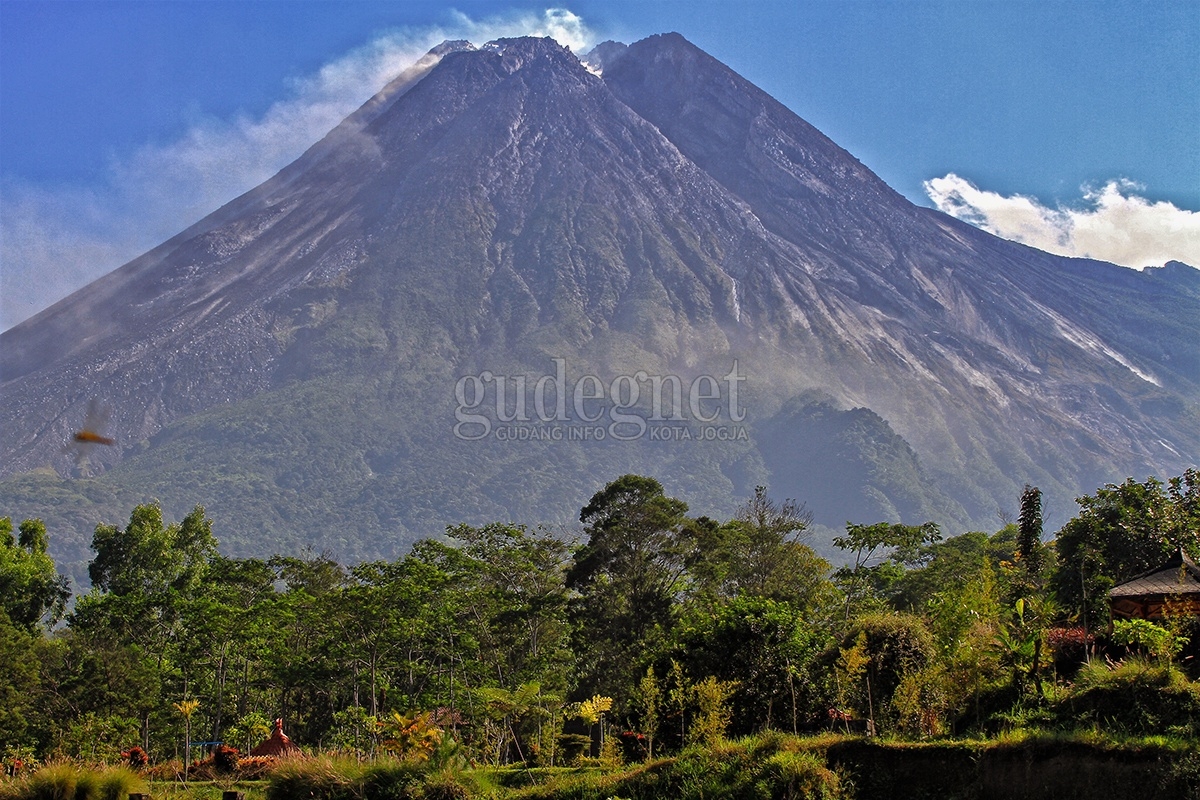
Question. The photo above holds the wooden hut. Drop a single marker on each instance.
(277, 745)
(1168, 590)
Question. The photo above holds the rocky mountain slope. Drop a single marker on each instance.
(317, 361)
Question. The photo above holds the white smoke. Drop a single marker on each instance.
(53, 241)
(1114, 223)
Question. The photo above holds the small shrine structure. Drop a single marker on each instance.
(277, 745)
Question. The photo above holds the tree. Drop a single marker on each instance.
(302, 648)
(186, 708)
(713, 712)
(941, 566)
(149, 558)
(1029, 540)
(761, 647)
(520, 601)
(592, 711)
(953, 584)
(869, 581)
(626, 576)
(1120, 532)
(150, 580)
(222, 632)
(32, 593)
(367, 615)
(505, 710)
(887, 648)
(1030, 553)
(649, 705)
(760, 553)
(19, 681)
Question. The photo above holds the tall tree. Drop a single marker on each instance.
(521, 603)
(1027, 579)
(149, 557)
(19, 682)
(32, 592)
(300, 667)
(880, 553)
(760, 553)
(145, 578)
(626, 576)
(1029, 540)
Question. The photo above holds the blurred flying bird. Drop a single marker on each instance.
(93, 422)
(91, 437)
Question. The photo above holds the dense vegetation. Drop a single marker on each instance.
(655, 634)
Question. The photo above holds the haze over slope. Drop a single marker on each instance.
(302, 361)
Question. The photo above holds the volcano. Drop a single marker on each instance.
(514, 275)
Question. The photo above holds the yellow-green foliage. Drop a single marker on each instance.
(712, 710)
(592, 709)
(769, 767)
(413, 735)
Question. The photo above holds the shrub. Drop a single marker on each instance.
(1068, 648)
(1142, 635)
(799, 775)
(222, 763)
(444, 786)
(65, 781)
(135, 758)
(391, 780)
(883, 649)
(315, 778)
(348, 779)
(1182, 777)
(253, 768)
(117, 783)
(225, 758)
(572, 747)
(1134, 697)
(52, 782)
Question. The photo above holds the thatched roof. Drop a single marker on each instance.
(277, 745)
(1178, 576)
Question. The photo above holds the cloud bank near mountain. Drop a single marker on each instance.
(1114, 223)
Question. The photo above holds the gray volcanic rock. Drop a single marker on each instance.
(299, 361)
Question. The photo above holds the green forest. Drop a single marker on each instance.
(658, 654)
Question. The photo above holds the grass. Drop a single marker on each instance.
(206, 790)
(66, 781)
(770, 766)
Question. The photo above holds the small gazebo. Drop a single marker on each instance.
(1167, 590)
(277, 745)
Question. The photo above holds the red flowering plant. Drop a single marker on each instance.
(135, 758)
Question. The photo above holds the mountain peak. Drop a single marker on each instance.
(603, 55)
(518, 51)
(450, 46)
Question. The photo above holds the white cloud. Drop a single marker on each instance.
(1113, 224)
(53, 241)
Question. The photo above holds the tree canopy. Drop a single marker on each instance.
(652, 627)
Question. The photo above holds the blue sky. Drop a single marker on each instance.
(1072, 125)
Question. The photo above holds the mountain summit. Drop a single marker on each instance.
(513, 275)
